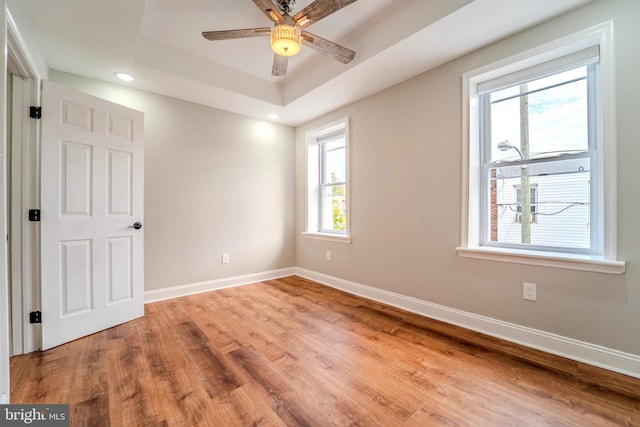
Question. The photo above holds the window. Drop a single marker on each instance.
(327, 182)
(540, 157)
(333, 183)
(532, 203)
(542, 133)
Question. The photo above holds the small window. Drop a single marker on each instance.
(327, 182)
(333, 183)
(532, 204)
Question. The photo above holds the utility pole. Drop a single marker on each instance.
(525, 185)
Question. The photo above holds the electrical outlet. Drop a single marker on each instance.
(328, 255)
(529, 291)
(225, 258)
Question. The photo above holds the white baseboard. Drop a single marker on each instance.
(212, 285)
(591, 354)
(4, 399)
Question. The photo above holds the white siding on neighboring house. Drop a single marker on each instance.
(562, 210)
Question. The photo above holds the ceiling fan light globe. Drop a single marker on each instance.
(286, 40)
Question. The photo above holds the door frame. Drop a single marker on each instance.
(23, 193)
(22, 147)
(5, 387)
(26, 169)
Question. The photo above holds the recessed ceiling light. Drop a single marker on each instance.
(273, 116)
(125, 77)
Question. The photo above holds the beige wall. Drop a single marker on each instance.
(406, 205)
(214, 182)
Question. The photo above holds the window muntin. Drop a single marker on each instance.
(542, 133)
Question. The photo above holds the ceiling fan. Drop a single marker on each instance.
(288, 34)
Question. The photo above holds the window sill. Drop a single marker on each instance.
(546, 259)
(327, 236)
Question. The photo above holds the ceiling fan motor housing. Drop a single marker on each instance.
(286, 6)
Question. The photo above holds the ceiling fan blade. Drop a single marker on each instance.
(267, 7)
(318, 10)
(236, 34)
(334, 50)
(279, 65)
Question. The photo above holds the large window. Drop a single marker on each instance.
(540, 157)
(327, 182)
(540, 136)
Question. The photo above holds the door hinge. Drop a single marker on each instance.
(35, 112)
(34, 215)
(35, 317)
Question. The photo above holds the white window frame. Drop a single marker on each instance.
(600, 36)
(313, 184)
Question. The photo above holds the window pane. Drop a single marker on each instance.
(556, 110)
(335, 167)
(334, 208)
(558, 120)
(559, 204)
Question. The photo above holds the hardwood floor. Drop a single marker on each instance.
(293, 352)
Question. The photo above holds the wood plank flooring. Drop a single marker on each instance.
(296, 353)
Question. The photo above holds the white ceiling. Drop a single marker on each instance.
(160, 42)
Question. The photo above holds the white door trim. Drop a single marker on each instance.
(5, 385)
(14, 46)
(24, 235)
(24, 194)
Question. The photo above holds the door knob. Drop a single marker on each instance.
(136, 225)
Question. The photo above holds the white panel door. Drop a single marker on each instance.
(92, 195)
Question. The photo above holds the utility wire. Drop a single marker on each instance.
(570, 205)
